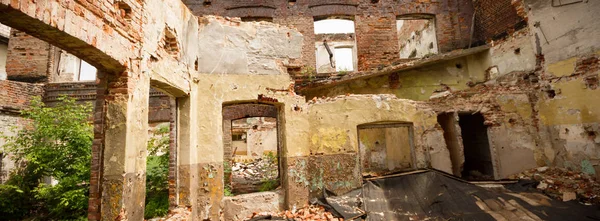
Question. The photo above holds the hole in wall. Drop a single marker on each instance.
(291, 2)
(459, 66)
(591, 82)
(592, 135)
(374, 1)
(124, 10)
(207, 3)
(518, 51)
(551, 93)
(196, 64)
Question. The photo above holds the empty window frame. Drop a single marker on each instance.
(335, 45)
(386, 148)
(416, 36)
(71, 68)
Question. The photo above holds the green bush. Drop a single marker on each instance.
(157, 174)
(57, 143)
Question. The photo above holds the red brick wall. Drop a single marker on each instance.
(494, 18)
(28, 58)
(16, 96)
(375, 23)
(159, 104)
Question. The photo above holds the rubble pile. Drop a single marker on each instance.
(309, 213)
(177, 214)
(564, 184)
(259, 169)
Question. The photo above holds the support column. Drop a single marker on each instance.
(123, 178)
(97, 149)
(186, 183)
(173, 151)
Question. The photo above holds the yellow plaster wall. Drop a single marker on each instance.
(334, 122)
(418, 84)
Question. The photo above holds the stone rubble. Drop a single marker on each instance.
(309, 213)
(564, 184)
(260, 169)
(178, 214)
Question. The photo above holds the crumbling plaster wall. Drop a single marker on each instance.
(417, 84)
(334, 150)
(494, 82)
(566, 38)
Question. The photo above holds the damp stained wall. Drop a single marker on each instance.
(333, 136)
(569, 118)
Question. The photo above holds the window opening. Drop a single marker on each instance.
(335, 45)
(416, 36)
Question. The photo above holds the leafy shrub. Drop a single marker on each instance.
(157, 174)
(57, 143)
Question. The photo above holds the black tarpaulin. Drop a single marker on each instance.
(432, 195)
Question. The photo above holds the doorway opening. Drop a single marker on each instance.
(251, 148)
(478, 156)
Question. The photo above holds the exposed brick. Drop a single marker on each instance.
(375, 23)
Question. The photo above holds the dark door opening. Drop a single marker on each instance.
(478, 157)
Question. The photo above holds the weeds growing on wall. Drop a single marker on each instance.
(55, 146)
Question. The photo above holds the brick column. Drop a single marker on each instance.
(123, 175)
(97, 149)
(173, 196)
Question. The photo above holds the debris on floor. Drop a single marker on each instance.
(563, 184)
(177, 214)
(309, 213)
(259, 169)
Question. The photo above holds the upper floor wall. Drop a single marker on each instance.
(375, 22)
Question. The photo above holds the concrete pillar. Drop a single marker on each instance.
(186, 182)
(123, 178)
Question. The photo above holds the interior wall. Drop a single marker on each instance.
(334, 144)
(385, 149)
(568, 110)
(417, 84)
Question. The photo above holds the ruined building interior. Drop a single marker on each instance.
(325, 94)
